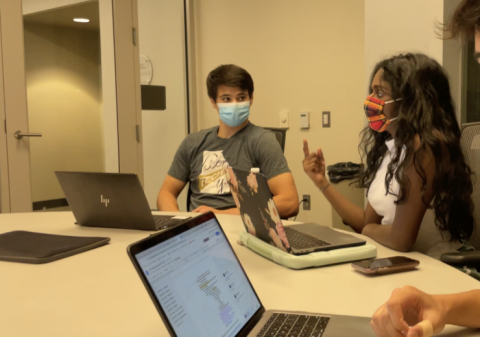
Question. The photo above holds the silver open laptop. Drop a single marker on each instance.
(260, 216)
(200, 289)
(114, 200)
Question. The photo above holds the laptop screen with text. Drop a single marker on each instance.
(199, 283)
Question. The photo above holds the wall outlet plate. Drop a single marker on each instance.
(306, 202)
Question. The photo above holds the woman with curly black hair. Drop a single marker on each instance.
(414, 162)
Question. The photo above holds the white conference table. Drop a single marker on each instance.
(98, 293)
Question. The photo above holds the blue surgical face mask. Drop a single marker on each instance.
(234, 114)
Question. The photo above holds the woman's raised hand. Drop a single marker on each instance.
(314, 166)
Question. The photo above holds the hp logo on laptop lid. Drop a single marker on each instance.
(104, 201)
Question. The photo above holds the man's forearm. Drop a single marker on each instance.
(167, 202)
(462, 309)
(286, 208)
(234, 211)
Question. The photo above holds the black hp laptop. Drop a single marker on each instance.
(260, 216)
(200, 289)
(113, 200)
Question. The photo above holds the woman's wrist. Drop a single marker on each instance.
(323, 185)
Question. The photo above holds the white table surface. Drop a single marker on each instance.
(98, 293)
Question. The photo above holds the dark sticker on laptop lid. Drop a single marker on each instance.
(257, 209)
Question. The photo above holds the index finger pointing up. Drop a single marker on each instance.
(306, 152)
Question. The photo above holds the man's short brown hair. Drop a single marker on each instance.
(465, 22)
(231, 76)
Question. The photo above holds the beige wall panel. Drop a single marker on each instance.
(64, 101)
(161, 37)
(4, 182)
(413, 28)
(128, 88)
(109, 90)
(11, 21)
(303, 56)
(34, 6)
(410, 29)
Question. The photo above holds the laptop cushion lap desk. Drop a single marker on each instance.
(260, 216)
(112, 200)
(200, 289)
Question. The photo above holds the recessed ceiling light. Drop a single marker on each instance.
(81, 20)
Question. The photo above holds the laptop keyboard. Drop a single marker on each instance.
(290, 325)
(300, 240)
(162, 223)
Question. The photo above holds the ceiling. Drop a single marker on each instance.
(63, 16)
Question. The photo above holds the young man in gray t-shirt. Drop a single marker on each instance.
(202, 157)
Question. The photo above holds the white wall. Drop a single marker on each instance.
(64, 102)
(109, 90)
(309, 55)
(453, 59)
(35, 6)
(401, 26)
(397, 26)
(161, 37)
(109, 99)
(302, 55)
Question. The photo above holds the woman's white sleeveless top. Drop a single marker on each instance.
(430, 240)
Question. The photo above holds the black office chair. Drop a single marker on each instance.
(280, 134)
(470, 143)
(189, 195)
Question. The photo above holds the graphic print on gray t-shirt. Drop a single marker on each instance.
(212, 178)
(202, 157)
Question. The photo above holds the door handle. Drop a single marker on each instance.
(20, 135)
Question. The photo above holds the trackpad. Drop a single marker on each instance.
(327, 234)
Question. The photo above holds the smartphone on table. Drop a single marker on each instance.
(387, 265)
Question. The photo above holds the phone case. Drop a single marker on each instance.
(386, 270)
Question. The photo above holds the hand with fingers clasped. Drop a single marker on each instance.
(409, 312)
(204, 209)
(314, 166)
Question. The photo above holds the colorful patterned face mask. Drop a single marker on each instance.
(374, 111)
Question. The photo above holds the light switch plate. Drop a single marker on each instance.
(283, 119)
(326, 119)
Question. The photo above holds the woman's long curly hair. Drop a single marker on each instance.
(426, 110)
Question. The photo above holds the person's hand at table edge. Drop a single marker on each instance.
(413, 313)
